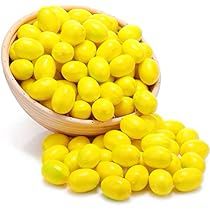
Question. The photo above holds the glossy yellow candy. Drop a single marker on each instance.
(148, 52)
(157, 157)
(115, 138)
(78, 143)
(103, 109)
(173, 125)
(61, 14)
(56, 152)
(55, 139)
(108, 168)
(48, 39)
(81, 110)
(47, 20)
(35, 23)
(122, 65)
(112, 92)
(73, 32)
(65, 82)
(186, 134)
(133, 126)
(83, 180)
(42, 89)
(28, 30)
(175, 164)
(140, 85)
(106, 155)
(160, 122)
(161, 182)
(89, 156)
(98, 68)
(73, 71)
(12, 53)
(26, 85)
(138, 177)
(62, 52)
(130, 32)
(166, 132)
(192, 160)
(137, 144)
(28, 48)
(80, 15)
(109, 49)
(55, 172)
(99, 141)
(125, 107)
(116, 188)
(44, 67)
(22, 69)
(126, 155)
(85, 51)
(197, 146)
(174, 147)
(96, 31)
(134, 48)
(149, 71)
(71, 160)
(112, 35)
(151, 122)
(47, 104)
(88, 89)
(187, 179)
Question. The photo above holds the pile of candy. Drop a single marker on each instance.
(84, 65)
(145, 151)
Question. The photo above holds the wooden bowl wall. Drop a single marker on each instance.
(42, 115)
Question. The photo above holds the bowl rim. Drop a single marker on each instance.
(15, 86)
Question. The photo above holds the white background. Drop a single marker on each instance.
(179, 33)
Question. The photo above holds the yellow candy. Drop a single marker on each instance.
(106, 155)
(125, 107)
(80, 15)
(73, 32)
(44, 67)
(112, 35)
(60, 13)
(78, 142)
(28, 48)
(99, 141)
(168, 133)
(28, 30)
(122, 65)
(55, 172)
(85, 51)
(149, 71)
(160, 122)
(134, 48)
(112, 92)
(174, 126)
(133, 126)
(151, 122)
(22, 69)
(157, 157)
(192, 160)
(88, 89)
(56, 152)
(174, 147)
(116, 188)
(12, 53)
(65, 82)
(55, 139)
(98, 68)
(35, 23)
(140, 85)
(47, 104)
(197, 146)
(115, 138)
(48, 21)
(71, 160)
(48, 39)
(127, 84)
(89, 156)
(186, 134)
(148, 52)
(62, 52)
(126, 155)
(96, 31)
(130, 32)
(81, 110)
(103, 109)
(83, 180)
(73, 71)
(175, 164)
(109, 49)
(26, 85)
(42, 89)
(137, 144)
(138, 177)
(161, 182)
(187, 179)
(107, 168)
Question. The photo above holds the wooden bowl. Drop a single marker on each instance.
(44, 116)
